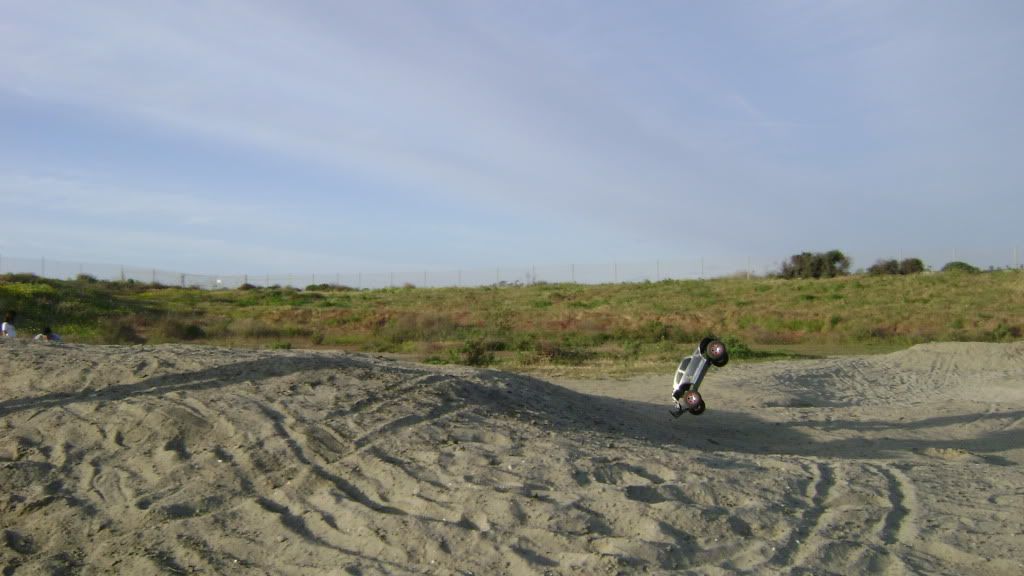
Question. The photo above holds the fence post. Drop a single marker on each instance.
(43, 266)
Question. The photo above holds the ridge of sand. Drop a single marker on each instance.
(179, 459)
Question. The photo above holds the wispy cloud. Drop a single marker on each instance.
(604, 123)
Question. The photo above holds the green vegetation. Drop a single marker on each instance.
(817, 265)
(961, 267)
(542, 326)
(906, 266)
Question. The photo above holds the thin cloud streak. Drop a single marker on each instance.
(595, 127)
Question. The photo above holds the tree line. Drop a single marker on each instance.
(834, 263)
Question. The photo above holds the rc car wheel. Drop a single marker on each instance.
(692, 398)
(703, 346)
(698, 409)
(717, 353)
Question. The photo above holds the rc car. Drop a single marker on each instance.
(690, 373)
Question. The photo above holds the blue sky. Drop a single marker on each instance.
(267, 136)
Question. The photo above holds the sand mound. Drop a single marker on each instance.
(177, 459)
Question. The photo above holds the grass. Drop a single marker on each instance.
(542, 327)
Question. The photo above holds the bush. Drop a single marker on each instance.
(892, 267)
(119, 331)
(562, 352)
(911, 266)
(413, 326)
(817, 265)
(328, 288)
(22, 277)
(958, 266)
(476, 353)
(176, 330)
(254, 328)
(884, 267)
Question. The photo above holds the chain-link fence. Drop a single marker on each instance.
(693, 267)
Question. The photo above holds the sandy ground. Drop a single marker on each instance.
(182, 459)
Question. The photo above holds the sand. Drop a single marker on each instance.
(186, 459)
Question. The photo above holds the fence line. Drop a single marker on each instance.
(694, 267)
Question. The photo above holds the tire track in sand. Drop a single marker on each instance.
(798, 544)
(899, 525)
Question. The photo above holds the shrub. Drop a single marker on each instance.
(1005, 332)
(562, 352)
(328, 288)
(958, 266)
(119, 331)
(174, 329)
(884, 267)
(412, 326)
(738, 349)
(476, 353)
(254, 328)
(22, 277)
(911, 266)
(817, 265)
(892, 267)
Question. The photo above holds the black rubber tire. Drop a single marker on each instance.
(722, 361)
(716, 352)
(698, 409)
(703, 346)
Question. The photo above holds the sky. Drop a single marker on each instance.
(253, 136)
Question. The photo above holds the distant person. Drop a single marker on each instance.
(48, 335)
(7, 328)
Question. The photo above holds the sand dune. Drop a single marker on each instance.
(182, 459)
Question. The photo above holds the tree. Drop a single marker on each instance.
(959, 267)
(817, 265)
(892, 267)
(884, 267)
(911, 266)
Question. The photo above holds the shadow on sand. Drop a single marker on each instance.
(547, 404)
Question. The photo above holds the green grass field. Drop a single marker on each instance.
(609, 327)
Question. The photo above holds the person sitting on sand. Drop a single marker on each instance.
(48, 335)
(7, 328)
